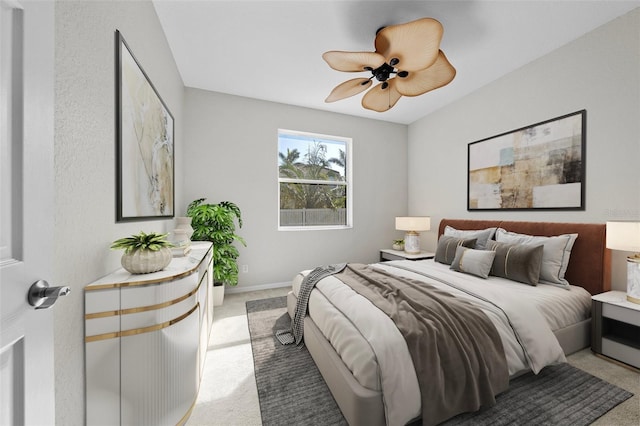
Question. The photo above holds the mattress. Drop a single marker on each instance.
(336, 310)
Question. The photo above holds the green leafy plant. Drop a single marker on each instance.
(217, 223)
(399, 241)
(142, 241)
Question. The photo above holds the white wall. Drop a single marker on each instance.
(599, 72)
(85, 162)
(232, 154)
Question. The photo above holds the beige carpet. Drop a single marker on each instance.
(228, 394)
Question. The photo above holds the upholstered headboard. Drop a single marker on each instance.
(590, 261)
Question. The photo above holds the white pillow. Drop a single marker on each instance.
(481, 235)
(555, 255)
(474, 262)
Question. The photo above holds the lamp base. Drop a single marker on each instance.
(411, 243)
(633, 280)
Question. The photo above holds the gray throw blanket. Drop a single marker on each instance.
(456, 350)
(287, 337)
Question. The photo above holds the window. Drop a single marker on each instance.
(314, 180)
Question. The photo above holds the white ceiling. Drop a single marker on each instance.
(271, 50)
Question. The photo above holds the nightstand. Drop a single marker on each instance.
(615, 327)
(388, 254)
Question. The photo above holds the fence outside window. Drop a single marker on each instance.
(313, 217)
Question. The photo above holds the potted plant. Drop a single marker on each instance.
(144, 253)
(398, 244)
(217, 223)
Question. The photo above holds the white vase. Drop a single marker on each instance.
(183, 230)
(146, 261)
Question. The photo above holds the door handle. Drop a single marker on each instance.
(41, 296)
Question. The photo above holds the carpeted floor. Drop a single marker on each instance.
(291, 391)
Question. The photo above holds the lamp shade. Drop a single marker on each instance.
(415, 223)
(624, 236)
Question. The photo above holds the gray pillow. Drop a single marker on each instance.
(474, 262)
(517, 262)
(481, 235)
(446, 250)
(555, 257)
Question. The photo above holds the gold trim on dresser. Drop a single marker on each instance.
(186, 416)
(135, 331)
(145, 308)
(139, 283)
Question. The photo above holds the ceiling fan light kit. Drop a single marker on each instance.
(407, 62)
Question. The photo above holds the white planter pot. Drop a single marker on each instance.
(146, 261)
(218, 295)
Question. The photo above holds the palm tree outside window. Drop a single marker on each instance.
(314, 181)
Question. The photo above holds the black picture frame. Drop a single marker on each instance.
(145, 169)
(537, 167)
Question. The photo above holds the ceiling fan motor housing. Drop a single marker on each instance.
(383, 72)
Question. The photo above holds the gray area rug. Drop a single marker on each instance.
(292, 391)
(290, 388)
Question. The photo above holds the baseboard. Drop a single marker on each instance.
(245, 289)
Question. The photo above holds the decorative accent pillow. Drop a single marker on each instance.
(446, 250)
(555, 257)
(517, 262)
(474, 262)
(481, 235)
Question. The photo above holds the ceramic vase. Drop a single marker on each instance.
(183, 230)
(146, 261)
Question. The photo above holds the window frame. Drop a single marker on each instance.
(348, 182)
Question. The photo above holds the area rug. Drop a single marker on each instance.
(292, 391)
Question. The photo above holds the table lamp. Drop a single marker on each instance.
(625, 236)
(413, 226)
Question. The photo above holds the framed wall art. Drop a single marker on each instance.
(541, 166)
(145, 143)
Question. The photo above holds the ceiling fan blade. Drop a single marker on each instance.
(415, 44)
(381, 100)
(437, 75)
(352, 61)
(348, 88)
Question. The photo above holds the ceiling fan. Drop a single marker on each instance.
(407, 62)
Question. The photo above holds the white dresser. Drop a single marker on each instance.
(145, 341)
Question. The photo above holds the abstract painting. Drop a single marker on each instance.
(541, 166)
(145, 148)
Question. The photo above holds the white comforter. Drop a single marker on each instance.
(373, 349)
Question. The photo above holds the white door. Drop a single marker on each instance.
(26, 215)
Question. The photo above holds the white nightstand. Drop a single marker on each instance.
(388, 254)
(615, 327)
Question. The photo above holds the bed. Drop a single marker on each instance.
(356, 383)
